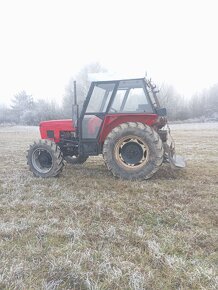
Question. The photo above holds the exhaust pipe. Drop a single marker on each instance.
(75, 109)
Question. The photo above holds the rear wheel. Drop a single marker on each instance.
(133, 151)
(45, 159)
(76, 159)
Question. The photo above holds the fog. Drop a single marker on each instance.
(45, 43)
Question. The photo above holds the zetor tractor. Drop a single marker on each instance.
(120, 119)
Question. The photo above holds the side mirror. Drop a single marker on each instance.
(161, 112)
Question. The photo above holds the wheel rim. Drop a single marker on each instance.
(131, 152)
(42, 160)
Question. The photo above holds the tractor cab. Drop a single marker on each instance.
(110, 103)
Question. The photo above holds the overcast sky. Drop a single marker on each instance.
(45, 42)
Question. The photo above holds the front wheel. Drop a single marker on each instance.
(133, 151)
(45, 159)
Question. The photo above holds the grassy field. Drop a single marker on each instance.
(88, 230)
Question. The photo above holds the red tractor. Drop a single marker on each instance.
(120, 119)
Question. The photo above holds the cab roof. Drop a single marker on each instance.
(108, 77)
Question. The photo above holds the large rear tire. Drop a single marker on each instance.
(76, 159)
(133, 151)
(45, 159)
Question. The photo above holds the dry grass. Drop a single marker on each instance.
(88, 230)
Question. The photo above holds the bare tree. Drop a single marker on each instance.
(5, 115)
(205, 103)
(83, 84)
(22, 104)
(173, 102)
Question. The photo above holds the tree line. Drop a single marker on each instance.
(25, 110)
(202, 106)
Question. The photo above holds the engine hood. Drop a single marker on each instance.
(52, 129)
(63, 125)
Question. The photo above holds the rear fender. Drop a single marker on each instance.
(113, 120)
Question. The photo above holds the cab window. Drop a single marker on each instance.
(131, 97)
(100, 97)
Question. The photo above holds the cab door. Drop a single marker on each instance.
(92, 116)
